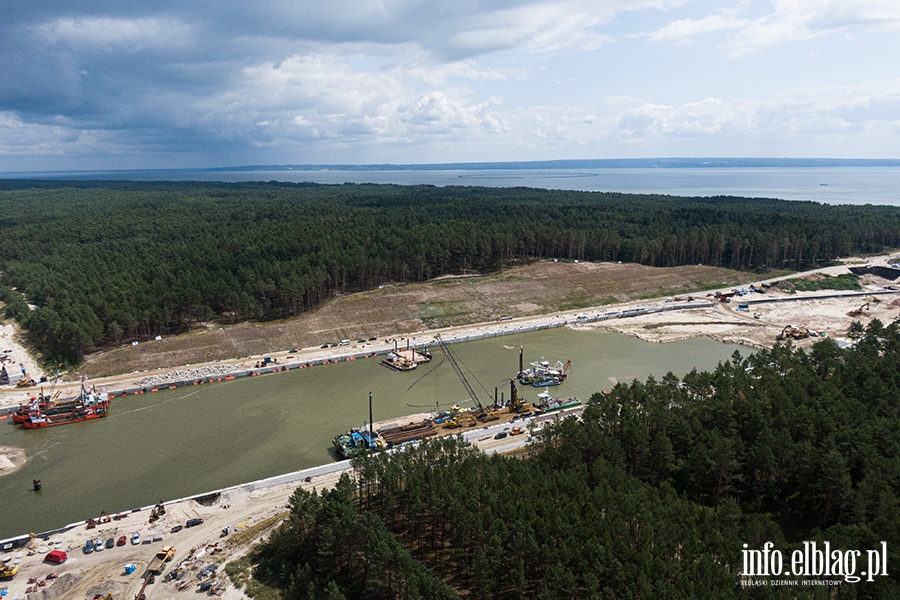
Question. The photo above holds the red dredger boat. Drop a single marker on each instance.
(44, 404)
(89, 405)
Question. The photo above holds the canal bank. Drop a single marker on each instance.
(193, 377)
(317, 476)
(181, 442)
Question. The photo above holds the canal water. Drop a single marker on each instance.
(186, 441)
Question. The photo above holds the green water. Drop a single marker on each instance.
(177, 443)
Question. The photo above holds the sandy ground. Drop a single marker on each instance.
(16, 356)
(11, 458)
(243, 507)
(240, 508)
(85, 575)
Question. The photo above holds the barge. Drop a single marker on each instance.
(89, 405)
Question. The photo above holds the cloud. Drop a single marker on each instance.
(818, 112)
(326, 97)
(108, 33)
(30, 139)
(408, 80)
(114, 63)
(683, 30)
(788, 21)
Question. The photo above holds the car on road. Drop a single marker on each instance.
(98, 545)
(177, 528)
(89, 546)
(135, 538)
(500, 435)
(111, 543)
(323, 346)
(193, 522)
(121, 541)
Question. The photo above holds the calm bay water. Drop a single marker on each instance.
(830, 185)
(186, 441)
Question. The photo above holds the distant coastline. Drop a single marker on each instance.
(599, 163)
(823, 180)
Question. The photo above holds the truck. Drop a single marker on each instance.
(163, 556)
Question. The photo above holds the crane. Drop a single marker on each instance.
(484, 415)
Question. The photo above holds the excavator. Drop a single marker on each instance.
(791, 332)
(862, 309)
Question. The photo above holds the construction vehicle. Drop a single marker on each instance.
(517, 404)
(724, 296)
(859, 311)
(791, 332)
(163, 556)
(8, 571)
(460, 421)
(483, 414)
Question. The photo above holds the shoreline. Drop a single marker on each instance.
(208, 371)
(285, 361)
(648, 321)
(12, 458)
(227, 515)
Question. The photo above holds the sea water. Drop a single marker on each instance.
(829, 185)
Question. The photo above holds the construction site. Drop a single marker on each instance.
(755, 318)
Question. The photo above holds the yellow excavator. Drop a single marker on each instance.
(8, 571)
(791, 332)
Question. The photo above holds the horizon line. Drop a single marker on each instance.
(598, 163)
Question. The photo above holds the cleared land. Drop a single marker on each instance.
(540, 288)
(536, 294)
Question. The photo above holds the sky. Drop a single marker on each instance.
(102, 85)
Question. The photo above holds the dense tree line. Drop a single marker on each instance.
(107, 262)
(652, 494)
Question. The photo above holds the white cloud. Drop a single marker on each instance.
(322, 96)
(683, 30)
(816, 112)
(21, 138)
(788, 20)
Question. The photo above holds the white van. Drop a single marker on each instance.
(345, 342)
